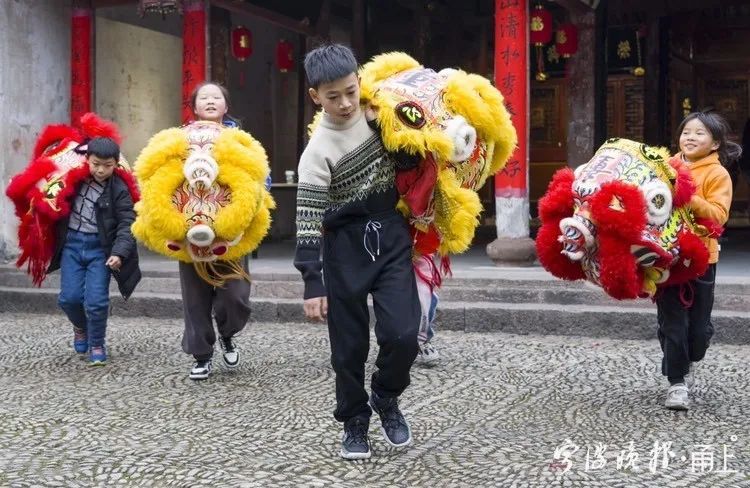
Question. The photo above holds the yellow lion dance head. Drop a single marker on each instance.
(203, 196)
(457, 124)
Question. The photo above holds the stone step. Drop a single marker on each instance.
(518, 318)
(537, 291)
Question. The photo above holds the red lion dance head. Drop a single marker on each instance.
(622, 221)
(43, 192)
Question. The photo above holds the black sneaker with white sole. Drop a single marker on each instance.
(201, 369)
(230, 354)
(355, 444)
(395, 428)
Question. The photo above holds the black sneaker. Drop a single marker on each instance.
(201, 369)
(355, 444)
(230, 354)
(395, 428)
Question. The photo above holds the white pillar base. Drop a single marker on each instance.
(513, 247)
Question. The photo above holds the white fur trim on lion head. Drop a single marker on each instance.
(201, 235)
(200, 168)
(463, 136)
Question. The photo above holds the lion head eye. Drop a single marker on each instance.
(658, 201)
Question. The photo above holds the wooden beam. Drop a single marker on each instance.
(238, 6)
(110, 3)
(574, 6)
(662, 8)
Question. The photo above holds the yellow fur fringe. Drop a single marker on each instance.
(456, 214)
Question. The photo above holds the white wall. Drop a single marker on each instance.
(138, 81)
(34, 89)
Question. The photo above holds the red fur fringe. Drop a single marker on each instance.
(557, 202)
(548, 251)
(22, 187)
(627, 224)
(555, 205)
(619, 274)
(54, 134)
(695, 253)
(714, 230)
(684, 186)
(94, 126)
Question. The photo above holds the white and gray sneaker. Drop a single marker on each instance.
(230, 354)
(690, 376)
(678, 397)
(428, 355)
(201, 370)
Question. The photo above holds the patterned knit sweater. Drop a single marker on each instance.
(344, 175)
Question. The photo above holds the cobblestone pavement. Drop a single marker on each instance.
(493, 413)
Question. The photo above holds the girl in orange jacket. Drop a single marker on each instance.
(685, 328)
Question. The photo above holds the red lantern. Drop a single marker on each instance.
(242, 43)
(566, 40)
(541, 26)
(284, 56)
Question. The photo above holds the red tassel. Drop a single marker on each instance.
(445, 266)
(433, 279)
(619, 274)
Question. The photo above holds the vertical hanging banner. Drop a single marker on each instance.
(511, 78)
(80, 64)
(193, 52)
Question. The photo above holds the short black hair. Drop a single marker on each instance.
(103, 148)
(328, 63)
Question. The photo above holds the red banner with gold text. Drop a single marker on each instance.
(80, 64)
(193, 52)
(511, 71)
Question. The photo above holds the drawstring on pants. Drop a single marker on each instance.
(687, 294)
(372, 226)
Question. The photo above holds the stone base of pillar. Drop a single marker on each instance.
(512, 252)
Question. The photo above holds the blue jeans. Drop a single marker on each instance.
(84, 285)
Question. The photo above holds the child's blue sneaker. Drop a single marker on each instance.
(98, 356)
(80, 341)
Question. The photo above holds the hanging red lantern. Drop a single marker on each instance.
(242, 47)
(242, 43)
(540, 32)
(566, 40)
(284, 56)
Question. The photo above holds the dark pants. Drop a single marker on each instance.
(685, 332)
(361, 258)
(84, 285)
(230, 305)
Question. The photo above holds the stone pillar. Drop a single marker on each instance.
(35, 90)
(582, 101)
(513, 246)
